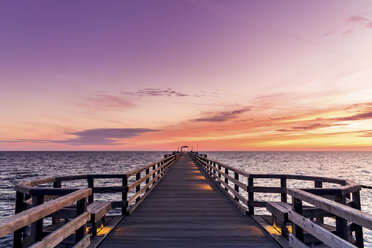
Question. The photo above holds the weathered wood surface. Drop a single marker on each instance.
(99, 209)
(29, 216)
(187, 209)
(317, 231)
(354, 215)
(62, 233)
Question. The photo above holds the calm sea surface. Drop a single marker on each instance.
(18, 166)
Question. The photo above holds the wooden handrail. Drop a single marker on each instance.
(351, 214)
(22, 219)
(315, 196)
(317, 231)
(31, 209)
(63, 232)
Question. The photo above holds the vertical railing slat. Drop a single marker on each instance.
(250, 197)
(124, 195)
(341, 223)
(283, 185)
(90, 185)
(37, 226)
(297, 207)
(81, 207)
(236, 187)
(19, 207)
(358, 229)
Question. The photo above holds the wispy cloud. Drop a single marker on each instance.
(155, 92)
(356, 117)
(360, 111)
(167, 92)
(222, 115)
(309, 127)
(108, 102)
(98, 136)
(367, 134)
(26, 140)
(357, 21)
(104, 136)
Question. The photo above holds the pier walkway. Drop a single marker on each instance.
(187, 209)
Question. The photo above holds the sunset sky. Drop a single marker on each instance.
(212, 74)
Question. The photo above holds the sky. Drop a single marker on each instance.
(211, 74)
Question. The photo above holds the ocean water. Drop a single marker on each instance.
(18, 166)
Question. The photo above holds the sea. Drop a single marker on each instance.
(18, 166)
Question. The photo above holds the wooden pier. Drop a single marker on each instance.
(186, 200)
(187, 209)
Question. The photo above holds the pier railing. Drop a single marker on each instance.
(340, 202)
(46, 198)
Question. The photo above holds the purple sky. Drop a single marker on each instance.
(67, 67)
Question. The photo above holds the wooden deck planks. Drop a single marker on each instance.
(187, 209)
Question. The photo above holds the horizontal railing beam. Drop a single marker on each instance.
(318, 232)
(17, 221)
(134, 172)
(351, 214)
(63, 232)
(143, 179)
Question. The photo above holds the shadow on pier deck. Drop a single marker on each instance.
(187, 209)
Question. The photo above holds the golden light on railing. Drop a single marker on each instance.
(272, 230)
(103, 230)
(276, 230)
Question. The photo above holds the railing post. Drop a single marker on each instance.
(341, 223)
(148, 179)
(297, 207)
(236, 187)
(319, 184)
(358, 229)
(19, 207)
(158, 165)
(124, 195)
(283, 185)
(219, 174)
(138, 187)
(91, 185)
(250, 197)
(37, 226)
(81, 207)
(226, 180)
(57, 184)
